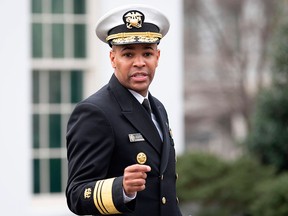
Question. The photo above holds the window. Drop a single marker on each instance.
(58, 29)
(58, 32)
(54, 94)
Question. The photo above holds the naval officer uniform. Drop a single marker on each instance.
(111, 130)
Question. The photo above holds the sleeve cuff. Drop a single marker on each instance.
(103, 198)
(127, 198)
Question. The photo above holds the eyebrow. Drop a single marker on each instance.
(131, 47)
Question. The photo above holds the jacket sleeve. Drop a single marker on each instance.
(90, 143)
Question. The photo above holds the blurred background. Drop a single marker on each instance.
(222, 77)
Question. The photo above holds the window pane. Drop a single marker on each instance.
(36, 131)
(55, 175)
(37, 40)
(76, 86)
(57, 40)
(79, 6)
(36, 176)
(79, 41)
(54, 87)
(57, 6)
(35, 88)
(36, 6)
(55, 130)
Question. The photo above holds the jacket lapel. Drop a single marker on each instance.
(145, 127)
(162, 120)
(135, 113)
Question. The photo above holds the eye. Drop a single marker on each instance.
(127, 54)
(147, 54)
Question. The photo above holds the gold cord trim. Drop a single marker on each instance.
(133, 34)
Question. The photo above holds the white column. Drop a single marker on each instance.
(15, 130)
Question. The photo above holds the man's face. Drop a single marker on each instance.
(135, 65)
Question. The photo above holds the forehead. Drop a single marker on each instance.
(135, 46)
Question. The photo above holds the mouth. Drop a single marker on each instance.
(139, 77)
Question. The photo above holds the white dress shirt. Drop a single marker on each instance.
(140, 98)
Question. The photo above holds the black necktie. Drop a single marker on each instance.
(147, 106)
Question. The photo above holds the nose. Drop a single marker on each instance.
(139, 61)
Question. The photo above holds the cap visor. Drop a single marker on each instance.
(134, 40)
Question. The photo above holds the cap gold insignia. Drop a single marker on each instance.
(141, 158)
(87, 193)
(133, 19)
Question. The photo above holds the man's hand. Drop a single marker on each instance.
(134, 178)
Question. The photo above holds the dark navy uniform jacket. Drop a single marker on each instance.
(99, 148)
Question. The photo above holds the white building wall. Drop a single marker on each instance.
(15, 130)
(15, 96)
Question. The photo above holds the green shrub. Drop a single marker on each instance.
(272, 198)
(196, 171)
(269, 135)
(220, 187)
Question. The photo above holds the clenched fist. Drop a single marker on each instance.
(134, 178)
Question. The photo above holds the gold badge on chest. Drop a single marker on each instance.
(141, 158)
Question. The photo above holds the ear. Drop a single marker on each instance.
(112, 58)
(158, 56)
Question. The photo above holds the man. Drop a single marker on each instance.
(121, 157)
